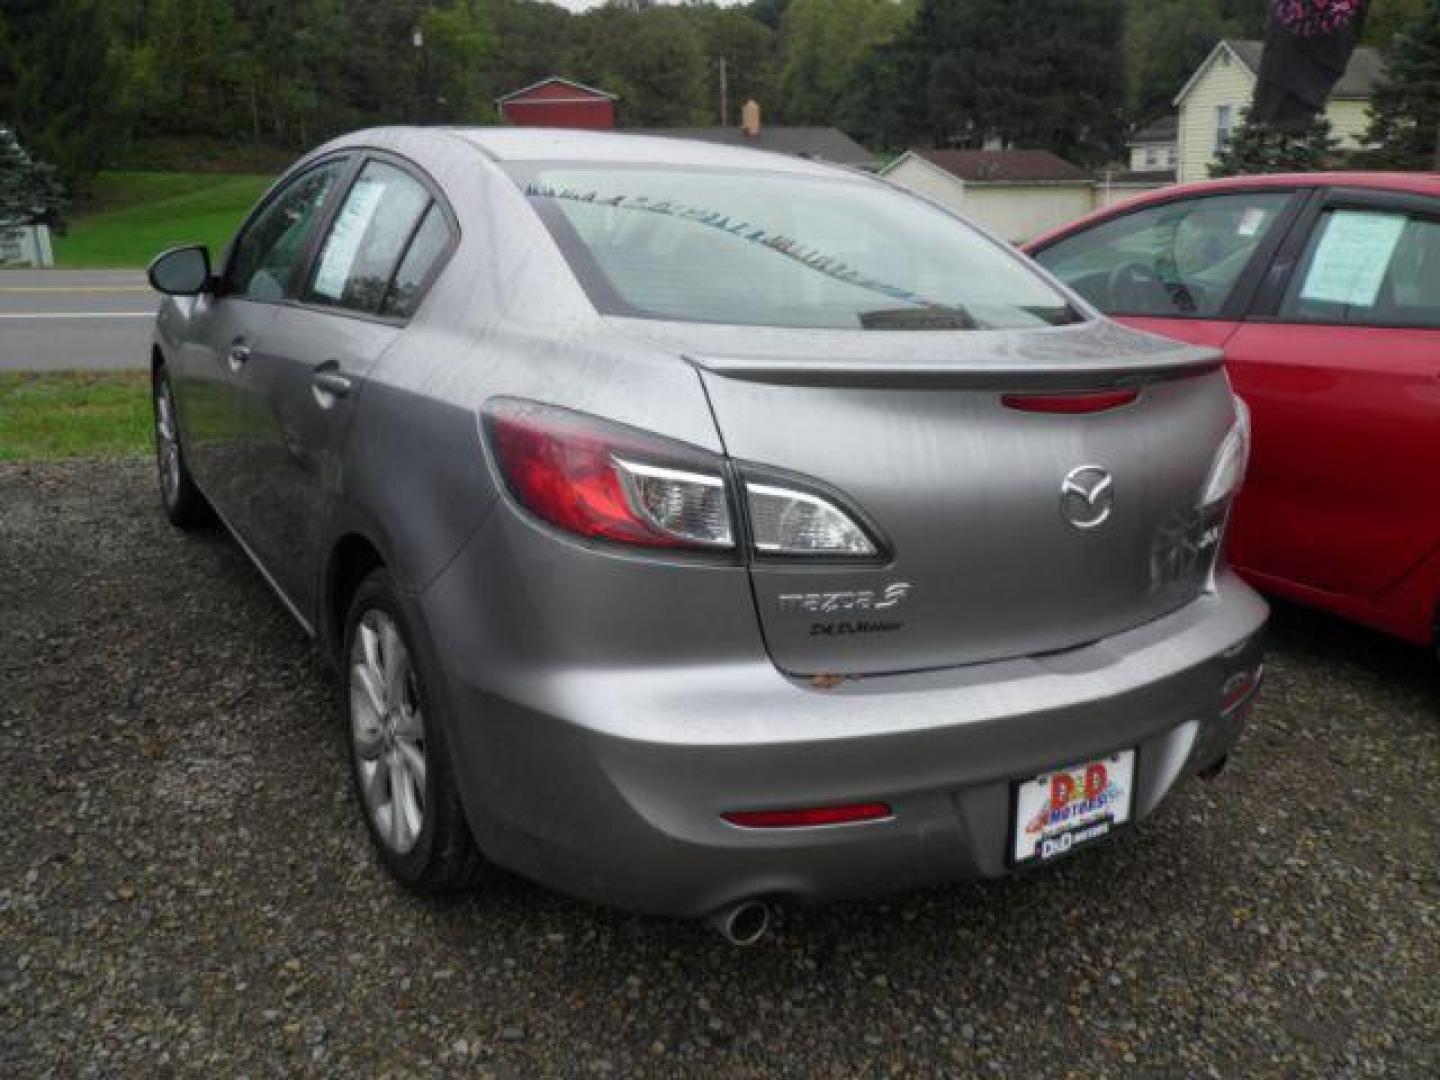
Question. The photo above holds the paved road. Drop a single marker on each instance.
(52, 320)
(186, 886)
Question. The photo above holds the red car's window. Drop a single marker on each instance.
(1368, 267)
(1179, 259)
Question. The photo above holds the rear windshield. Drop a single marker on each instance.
(770, 249)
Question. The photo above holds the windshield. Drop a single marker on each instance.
(771, 249)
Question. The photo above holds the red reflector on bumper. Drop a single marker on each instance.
(1239, 688)
(1085, 401)
(815, 815)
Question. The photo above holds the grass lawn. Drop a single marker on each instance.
(133, 216)
(74, 414)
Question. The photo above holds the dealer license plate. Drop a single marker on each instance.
(1062, 810)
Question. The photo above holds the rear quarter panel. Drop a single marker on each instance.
(506, 317)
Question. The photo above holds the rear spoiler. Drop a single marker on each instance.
(1089, 374)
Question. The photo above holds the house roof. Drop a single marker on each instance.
(580, 89)
(1144, 176)
(1365, 70)
(820, 143)
(1162, 130)
(999, 166)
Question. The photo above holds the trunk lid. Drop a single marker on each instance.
(984, 559)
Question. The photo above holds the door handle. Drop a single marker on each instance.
(238, 355)
(329, 384)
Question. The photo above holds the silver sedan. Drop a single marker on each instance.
(694, 527)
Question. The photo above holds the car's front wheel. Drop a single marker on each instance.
(184, 505)
(398, 754)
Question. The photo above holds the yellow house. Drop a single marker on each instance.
(1216, 97)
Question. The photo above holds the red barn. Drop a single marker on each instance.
(560, 103)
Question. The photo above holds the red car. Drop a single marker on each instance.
(1324, 291)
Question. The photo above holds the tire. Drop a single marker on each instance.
(400, 761)
(184, 505)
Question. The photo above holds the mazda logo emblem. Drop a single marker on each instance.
(1087, 496)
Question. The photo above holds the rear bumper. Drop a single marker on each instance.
(609, 783)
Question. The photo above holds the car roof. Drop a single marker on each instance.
(616, 147)
(1411, 182)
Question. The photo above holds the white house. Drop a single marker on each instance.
(1214, 99)
(1015, 193)
(1153, 149)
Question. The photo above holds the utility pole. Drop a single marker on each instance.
(724, 93)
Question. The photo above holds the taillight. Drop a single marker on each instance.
(1228, 469)
(609, 482)
(788, 521)
(606, 481)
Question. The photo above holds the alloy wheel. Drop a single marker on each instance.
(387, 731)
(167, 443)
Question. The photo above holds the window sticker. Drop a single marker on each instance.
(1251, 220)
(345, 237)
(1351, 259)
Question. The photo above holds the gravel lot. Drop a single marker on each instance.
(186, 887)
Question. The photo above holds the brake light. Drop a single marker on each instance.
(605, 481)
(808, 817)
(1084, 401)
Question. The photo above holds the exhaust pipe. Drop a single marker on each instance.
(1215, 768)
(743, 923)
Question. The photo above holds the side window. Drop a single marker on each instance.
(267, 252)
(1224, 126)
(1175, 260)
(429, 244)
(1368, 267)
(368, 238)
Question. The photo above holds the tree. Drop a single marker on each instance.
(823, 45)
(885, 104)
(57, 92)
(533, 40)
(747, 47)
(1054, 80)
(1255, 148)
(1165, 41)
(768, 12)
(653, 59)
(456, 39)
(1405, 110)
(1387, 17)
(30, 190)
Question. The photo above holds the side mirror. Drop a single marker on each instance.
(181, 271)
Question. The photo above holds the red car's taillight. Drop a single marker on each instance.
(609, 482)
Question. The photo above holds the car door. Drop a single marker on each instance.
(228, 325)
(1185, 268)
(375, 254)
(1340, 363)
